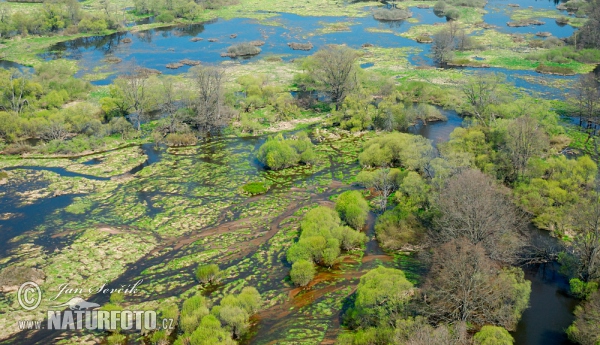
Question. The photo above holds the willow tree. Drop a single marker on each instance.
(334, 69)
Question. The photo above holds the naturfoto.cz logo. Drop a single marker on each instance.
(79, 314)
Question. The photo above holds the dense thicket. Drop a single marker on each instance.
(322, 239)
(220, 324)
(280, 153)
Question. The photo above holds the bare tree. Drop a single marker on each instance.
(170, 104)
(525, 139)
(209, 101)
(584, 252)
(55, 131)
(590, 32)
(465, 285)
(472, 206)
(335, 70)
(442, 47)
(481, 91)
(586, 99)
(134, 85)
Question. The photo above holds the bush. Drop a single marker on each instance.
(582, 289)
(397, 228)
(279, 153)
(397, 149)
(554, 70)
(381, 297)
(255, 188)
(323, 237)
(208, 274)
(243, 49)
(391, 14)
(181, 139)
(353, 208)
(302, 272)
(165, 17)
(493, 335)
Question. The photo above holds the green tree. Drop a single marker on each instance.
(208, 274)
(302, 272)
(353, 208)
(493, 335)
(381, 297)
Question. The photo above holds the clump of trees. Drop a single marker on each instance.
(409, 151)
(322, 239)
(449, 40)
(353, 209)
(262, 102)
(220, 324)
(280, 153)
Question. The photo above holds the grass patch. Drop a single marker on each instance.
(255, 188)
(560, 70)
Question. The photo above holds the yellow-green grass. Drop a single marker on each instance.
(527, 14)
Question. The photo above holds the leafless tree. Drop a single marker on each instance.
(134, 85)
(465, 285)
(208, 101)
(586, 99)
(590, 32)
(170, 104)
(442, 47)
(472, 206)
(525, 139)
(335, 70)
(55, 131)
(481, 91)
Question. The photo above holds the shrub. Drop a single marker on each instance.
(181, 139)
(116, 339)
(208, 274)
(397, 149)
(397, 228)
(582, 289)
(554, 70)
(255, 188)
(302, 272)
(165, 17)
(353, 208)
(381, 297)
(323, 237)
(493, 335)
(243, 49)
(279, 153)
(391, 14)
